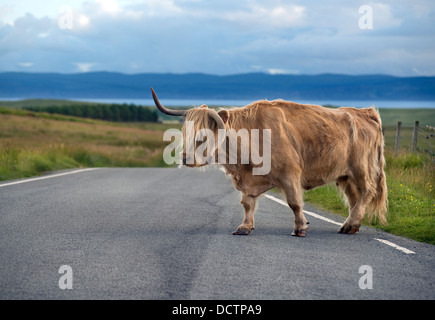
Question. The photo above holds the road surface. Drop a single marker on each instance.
(147, 233)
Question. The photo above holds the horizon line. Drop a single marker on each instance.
(220, 75)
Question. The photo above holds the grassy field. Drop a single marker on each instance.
(39, 103)
(32, 143)
(407, 116)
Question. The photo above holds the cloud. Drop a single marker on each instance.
(84, 66)
(5, 12)
(282, 16)
(110, 6)
(25, 64)
(224, 37)
(274, 71)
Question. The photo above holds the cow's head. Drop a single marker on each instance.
(200, 132)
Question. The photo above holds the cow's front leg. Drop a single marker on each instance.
(246, 227)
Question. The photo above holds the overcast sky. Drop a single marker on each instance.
(218, 37)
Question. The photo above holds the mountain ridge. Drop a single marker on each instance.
(104, 84)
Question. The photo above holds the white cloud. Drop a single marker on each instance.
(83, 20)
(282, 16)
(6, 11)
(137, 9)
(110, 6)
(25, 64)
(419, 72)
(383, 17)
(84, 66)
(275, 71)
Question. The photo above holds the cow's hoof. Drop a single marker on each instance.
(242, 231)
(346, 228)
(299, 233)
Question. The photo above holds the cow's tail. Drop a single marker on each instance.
(378, 205)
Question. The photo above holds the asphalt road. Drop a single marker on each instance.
(166, 234)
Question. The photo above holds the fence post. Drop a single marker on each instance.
(399, 125)
(414, 137)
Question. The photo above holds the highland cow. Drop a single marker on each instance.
(310, 146)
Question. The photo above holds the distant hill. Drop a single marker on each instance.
(196, 86)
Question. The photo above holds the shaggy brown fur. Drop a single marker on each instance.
(311, 146)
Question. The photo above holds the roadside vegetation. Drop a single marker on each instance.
(34, 142)
(410, 179)
(411, 196)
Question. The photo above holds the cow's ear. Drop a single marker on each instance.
(224, 114)
(204, 106)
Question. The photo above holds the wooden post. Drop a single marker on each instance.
(399, 126)
(414, 137)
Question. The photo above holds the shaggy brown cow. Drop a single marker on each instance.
(310, 146)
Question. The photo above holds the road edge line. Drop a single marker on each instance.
(45, 177)
(395, 246)
(315, 215)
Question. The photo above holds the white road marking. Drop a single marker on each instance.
(46, 177)
(315, 215)
(407, 251)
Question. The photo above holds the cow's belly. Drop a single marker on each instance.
(310, 184)
(316, 178)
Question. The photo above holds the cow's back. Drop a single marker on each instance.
(318, 140)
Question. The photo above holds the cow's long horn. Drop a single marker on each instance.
(165, 110)
(218, 120)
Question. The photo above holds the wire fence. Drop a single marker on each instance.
(411, 138)
(426, 140)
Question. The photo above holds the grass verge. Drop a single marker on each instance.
(33, 143)
(411, 196)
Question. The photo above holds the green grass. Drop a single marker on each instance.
(32, 143)
(411, 193)
(390, 117)
(25, 113)
(40, 103)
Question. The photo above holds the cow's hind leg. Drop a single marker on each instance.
(249, 203)
(294, 195)
(357, 199)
